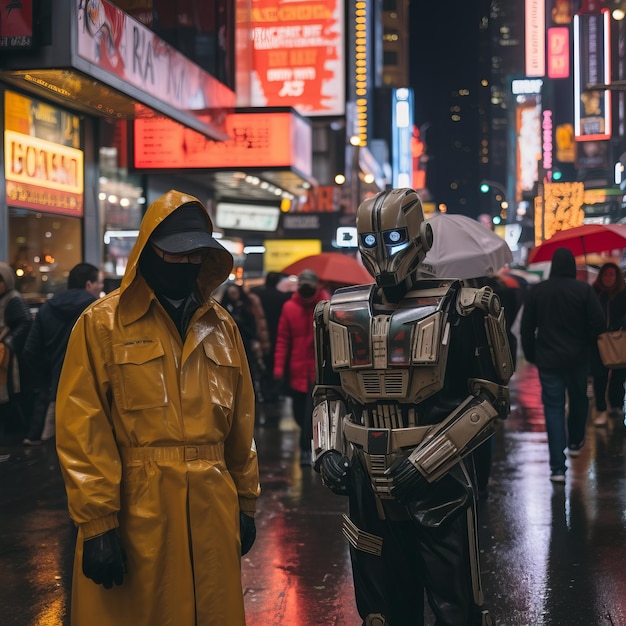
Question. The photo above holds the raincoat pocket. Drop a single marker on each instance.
(224, 376)
(142, 376)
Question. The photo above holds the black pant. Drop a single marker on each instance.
(415, 557)
(302, 405)
(38, 416)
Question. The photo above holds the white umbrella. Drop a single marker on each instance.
(464, 248)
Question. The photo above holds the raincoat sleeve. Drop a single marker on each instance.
(86, 445)
(240, 448)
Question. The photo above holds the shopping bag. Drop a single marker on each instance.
(612, 348)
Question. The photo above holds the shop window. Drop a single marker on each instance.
(121, 199)
(43, 248)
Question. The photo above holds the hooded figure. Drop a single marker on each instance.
(561, 321)
(155, 418)
(562, 317)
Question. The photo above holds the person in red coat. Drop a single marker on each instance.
(294, 354)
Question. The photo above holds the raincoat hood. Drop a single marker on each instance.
(215, 268)
(563, 264)
(8, 275)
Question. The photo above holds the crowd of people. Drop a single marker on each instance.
(150, 393)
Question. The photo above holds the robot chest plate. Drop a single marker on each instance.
(400, 355)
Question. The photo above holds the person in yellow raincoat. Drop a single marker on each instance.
(155, 436)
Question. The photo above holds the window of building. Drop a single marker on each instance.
(199, 29)
(390, 57)
(43, 248)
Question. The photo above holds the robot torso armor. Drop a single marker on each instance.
(388, 374)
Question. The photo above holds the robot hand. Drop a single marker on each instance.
(334, 471)
(406, 481)
(247, 531)
(104, 559)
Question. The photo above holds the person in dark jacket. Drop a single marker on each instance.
(47, 341)
(272, 301)
(15, 321)
(562, 319)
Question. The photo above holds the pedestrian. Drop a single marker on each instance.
(561, 321)
(155, 419)
(272, 301)
(411, 375)
(294, 355)
(246, 310)
(15, 321)
(47, 341)
(608, 382)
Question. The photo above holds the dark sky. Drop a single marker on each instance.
(443, 50)
(444, 58)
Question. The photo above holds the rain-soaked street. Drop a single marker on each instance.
(551, 554)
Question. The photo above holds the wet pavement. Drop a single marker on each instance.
(552, 555)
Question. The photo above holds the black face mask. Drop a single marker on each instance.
(172, 280)
(306, 291)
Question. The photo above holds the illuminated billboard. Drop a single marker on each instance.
(43, 164)
(401, 138)
(528, 143)
(298, 55)
(535, 13)
(246, 216)
(592, 66)
(264, 139)
(558, 52)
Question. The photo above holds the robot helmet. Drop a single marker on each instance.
(393, 236)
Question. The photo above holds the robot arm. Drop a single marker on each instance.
(329, 410)
(499, 363)
(329, 457)
(462, 431)
(471, 423)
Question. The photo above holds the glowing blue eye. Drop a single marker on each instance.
(396, 236)
(369, 241)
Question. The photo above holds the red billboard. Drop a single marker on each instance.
(298, 55)
(16, 24)
(264, 139)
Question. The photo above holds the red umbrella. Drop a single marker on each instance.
(333, 267)
(582, 240)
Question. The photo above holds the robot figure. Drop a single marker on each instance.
(411, 376)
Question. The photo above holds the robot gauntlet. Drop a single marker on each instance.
(448, 442)
(328, 412)
(328, 457)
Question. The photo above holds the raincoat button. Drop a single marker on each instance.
(191, 453)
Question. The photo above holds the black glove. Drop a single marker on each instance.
(247, 530)
(334, 471)
(406, 481)
(104, 559)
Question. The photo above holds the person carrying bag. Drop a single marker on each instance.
(609, 363)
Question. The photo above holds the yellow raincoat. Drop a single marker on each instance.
(155, 436)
